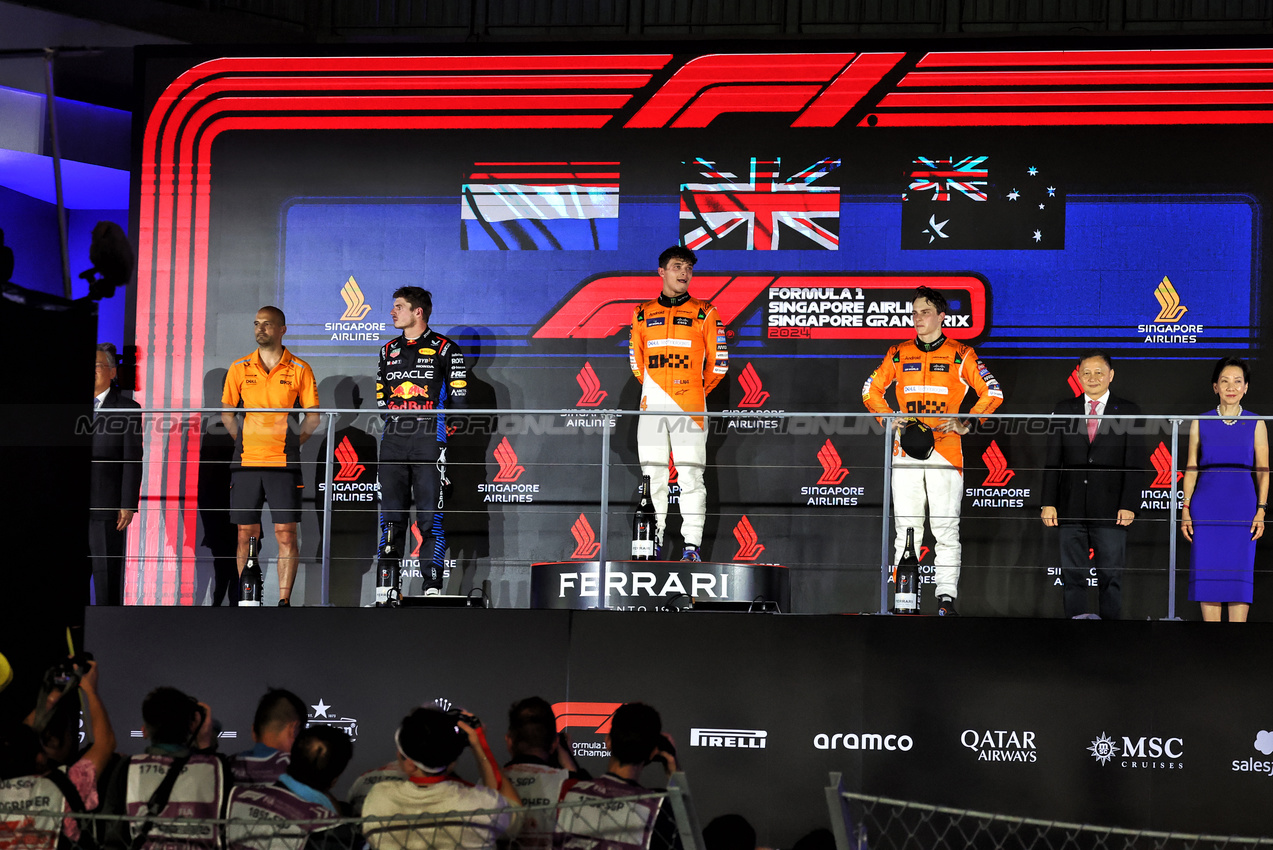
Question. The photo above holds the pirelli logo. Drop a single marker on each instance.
(743, 739)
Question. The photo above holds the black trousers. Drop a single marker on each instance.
(408, 474)
(106, 557)
(1107, 544)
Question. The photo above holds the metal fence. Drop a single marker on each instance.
(173, 433)
(861, 821)
(577, 823)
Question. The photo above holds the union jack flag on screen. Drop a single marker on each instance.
(765, 212)
(943, 176)
(527, 206)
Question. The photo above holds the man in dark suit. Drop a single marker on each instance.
(1092, 480)
(114, 480)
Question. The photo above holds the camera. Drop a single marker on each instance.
(459, 715)
(66, 674)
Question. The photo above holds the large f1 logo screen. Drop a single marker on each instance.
(1063, 200)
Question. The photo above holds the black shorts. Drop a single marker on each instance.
(252, 488)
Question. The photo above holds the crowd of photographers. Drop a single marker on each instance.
(279, 794)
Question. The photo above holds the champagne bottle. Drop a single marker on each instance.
(389, 573)
(643, 525)
(251, 584)
(906, 579)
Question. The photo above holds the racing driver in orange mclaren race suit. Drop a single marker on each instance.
(677, 351)
(932, 374)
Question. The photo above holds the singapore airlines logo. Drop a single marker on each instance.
(509, 469)
(832, 467)
(350, 468)
(586, 543)
(754, 394)
(749, 545)
(1075, 383)
(356, 306)
(998, 473)
(1169, 302)
(593, 395)
(1161, 459)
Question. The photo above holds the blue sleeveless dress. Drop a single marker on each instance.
(1222, 560)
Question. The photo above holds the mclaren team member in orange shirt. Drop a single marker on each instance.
(677, 351)
(932, 374)
(266, 462)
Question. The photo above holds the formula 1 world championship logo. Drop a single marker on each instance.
(509, 469)
(593, 716)
(749, 545)
(350, 468)
(586, 543)
(998, 473)
(593, 395)
(1161, 459)
(754, 394)
(833, 471)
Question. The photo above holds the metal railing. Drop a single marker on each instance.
(606, 422)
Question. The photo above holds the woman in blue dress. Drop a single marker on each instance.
(1226, 481)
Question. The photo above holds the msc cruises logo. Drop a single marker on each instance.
(356, 306)
(1169, 302)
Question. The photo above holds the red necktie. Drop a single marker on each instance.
(1092, 423)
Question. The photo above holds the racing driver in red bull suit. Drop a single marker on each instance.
(419, 371)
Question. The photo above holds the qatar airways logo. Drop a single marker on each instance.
(829, 489)
(754, 397)
(993, 492)
(505, 486)
(586, 544)
(749, 545)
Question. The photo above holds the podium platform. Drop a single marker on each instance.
(655, 585)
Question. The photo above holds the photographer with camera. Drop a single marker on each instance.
(636, 739)
(429, 743)
(41, 766)
(280, 717)
(179, 776)
(541, 764)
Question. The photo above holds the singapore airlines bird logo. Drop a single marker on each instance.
(350, 468)
(509, 469)
(754, 394)
(586, 543)
(749, 545)
(1169, 301)
(998, 473)
(832, 470)
(356, 306)
(588, 381)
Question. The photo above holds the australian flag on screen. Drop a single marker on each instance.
(981, 203)
(546, 206)
(768, 209)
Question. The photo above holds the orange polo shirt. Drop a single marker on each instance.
(268, 439)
